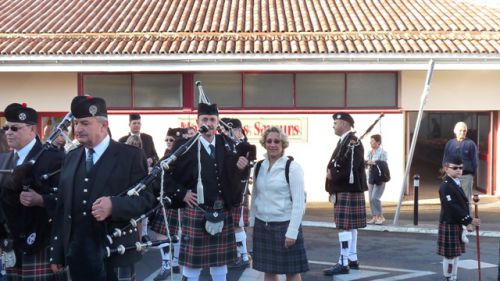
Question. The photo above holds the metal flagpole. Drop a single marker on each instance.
(423, 100)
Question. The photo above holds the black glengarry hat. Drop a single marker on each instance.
(88, 106)
(207, 109)
(175, 132)
(235, 123)
(344, 116)
(134, 116)
(21, 113)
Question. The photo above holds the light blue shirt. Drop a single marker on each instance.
(99, 149)
(23, 152)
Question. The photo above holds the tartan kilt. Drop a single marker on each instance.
(450, 243)
(349, 210)
(200, 249)
(236, 214)
(157, 224)
(270, 255)
(34, 267)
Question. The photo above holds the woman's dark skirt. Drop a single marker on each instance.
(450, 243)
(270, 254)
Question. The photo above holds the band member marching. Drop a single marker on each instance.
(240, 213)
(346, 184)
(91, 177)
(454, 215)
(27, 201)
(159, 226)
(203, 181)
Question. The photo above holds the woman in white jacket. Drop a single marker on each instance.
(278, 204)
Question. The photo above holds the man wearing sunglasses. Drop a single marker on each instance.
(28, 202)
(454, 215)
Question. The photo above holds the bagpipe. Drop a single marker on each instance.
(156, 172)
(138, 246)
(23, 171)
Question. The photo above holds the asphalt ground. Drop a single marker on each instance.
(401, 251)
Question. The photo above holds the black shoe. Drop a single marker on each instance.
(163, 274)
(240, 263)
(145, 239)
(176, 269)
(353, 264)
(336, 269)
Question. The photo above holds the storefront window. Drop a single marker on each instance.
(268, 90)
(320, 89)
(157, 90)
(224, 89)
(135, 90)
(114, 88)
(371, 89)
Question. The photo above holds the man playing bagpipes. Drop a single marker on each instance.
(28, 201)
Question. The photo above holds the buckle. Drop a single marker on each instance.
(218, 204)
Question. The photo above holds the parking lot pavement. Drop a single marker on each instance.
(383, 256)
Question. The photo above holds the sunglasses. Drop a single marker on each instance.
(456, 167)
(273, 141)
(169, 140)
(12, 128)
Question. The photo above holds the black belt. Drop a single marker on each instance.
(209, 206)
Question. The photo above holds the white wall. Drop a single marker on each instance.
(452, 90)
(43, 91)
(313, 154)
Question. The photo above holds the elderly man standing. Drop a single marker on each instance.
(465, 149)
(27, 201)
(346, 184)
(88, 207)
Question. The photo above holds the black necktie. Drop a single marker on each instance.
(15, 157)
(212, 151)
(89, 162)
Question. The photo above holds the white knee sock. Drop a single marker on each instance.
(191, 274)
(165, 253)
(218, 273)
(345, 238)
(353, 248)
(447, 267)
(454, 272)
(175, 259)
(241, 241)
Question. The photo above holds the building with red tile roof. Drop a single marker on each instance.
(284, 62)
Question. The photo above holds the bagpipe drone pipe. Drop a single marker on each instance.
(163, 201)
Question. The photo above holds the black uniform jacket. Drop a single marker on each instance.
(120, 167)
(454, 203)
(147, 145)
(30, 226)
(340, 166)
(183, 174)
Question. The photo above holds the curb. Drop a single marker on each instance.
(400, 229)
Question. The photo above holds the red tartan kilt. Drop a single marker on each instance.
(450, 243)
(350, 211)
(157, 224)
(34, 267)
(236, 214)
(200, 249)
